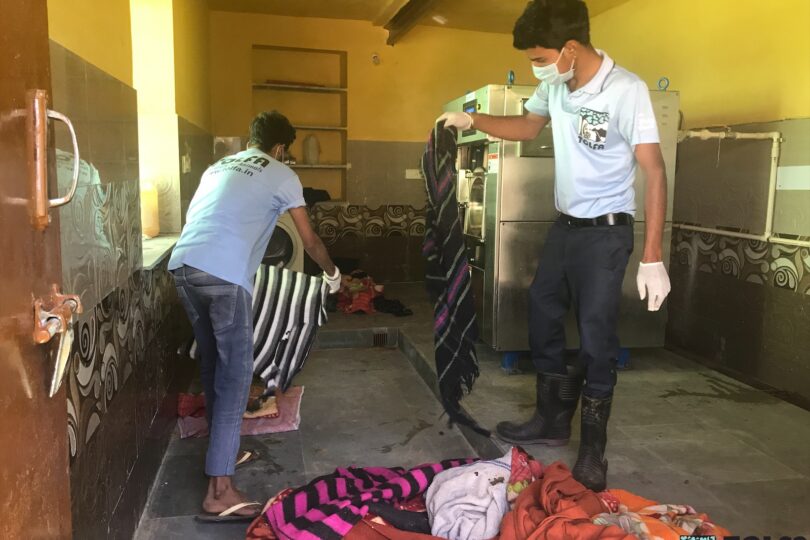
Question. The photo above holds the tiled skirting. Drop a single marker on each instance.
(120, 404)
(774, 265)
(743, 307)
(386, 241)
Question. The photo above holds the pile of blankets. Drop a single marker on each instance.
(512, 498)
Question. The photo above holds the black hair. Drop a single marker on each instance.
(269, 129)
(551, 23)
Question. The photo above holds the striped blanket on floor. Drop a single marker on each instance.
(331, 505)
(288, 308)
(447, 276)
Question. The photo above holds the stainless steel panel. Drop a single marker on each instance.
(520, 245)
(526, 184)
(484, 323)
(666, 106)
(489, 101)
(540, 146)
(526, 187)
(723, 183)
(637, 326)
(487, 320)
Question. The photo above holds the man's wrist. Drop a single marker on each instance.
(652, 257)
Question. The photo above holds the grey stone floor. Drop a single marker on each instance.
(360, 407)
(679, 433)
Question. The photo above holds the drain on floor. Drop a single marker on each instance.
(380, 339)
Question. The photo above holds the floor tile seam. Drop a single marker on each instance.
(796, 475)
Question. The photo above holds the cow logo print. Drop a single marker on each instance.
(593, 128)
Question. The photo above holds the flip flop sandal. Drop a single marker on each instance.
(229, 515)
(245, 457)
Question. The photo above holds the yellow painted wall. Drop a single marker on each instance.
(97, 31)
(733, 61)
(153, 63)
(192, 86)
(394, 101)
(154, 69)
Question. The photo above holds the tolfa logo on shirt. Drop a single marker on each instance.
(255, 160)
(593, 128)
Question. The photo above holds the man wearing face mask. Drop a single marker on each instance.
(604, 126)
(229, 223)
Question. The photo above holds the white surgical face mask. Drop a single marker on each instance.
(280, 154)
(550, 74)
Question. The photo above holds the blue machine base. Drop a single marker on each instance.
(509, 363)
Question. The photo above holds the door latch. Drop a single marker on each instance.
(55, 319)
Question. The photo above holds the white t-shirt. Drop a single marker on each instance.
(233, 214)
(596, 129)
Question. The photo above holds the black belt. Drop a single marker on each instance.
(607, 219)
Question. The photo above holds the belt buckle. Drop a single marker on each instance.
(611, 219)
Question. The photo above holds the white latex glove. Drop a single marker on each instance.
(653, 282)
(333, 281)
(459, 120)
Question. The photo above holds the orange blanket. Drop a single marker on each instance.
(648, 519)
(557, 507)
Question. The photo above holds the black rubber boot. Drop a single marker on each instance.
(557, 397)
(591, 467)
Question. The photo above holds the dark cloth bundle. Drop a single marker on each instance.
(447, 277)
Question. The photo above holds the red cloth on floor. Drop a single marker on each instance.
(357, 294)
(557, 507)
(190, 405)
(260, 528)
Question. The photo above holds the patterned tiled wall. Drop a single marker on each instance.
(742, 305)
(775, 265)
(123, 358)
(386, 241)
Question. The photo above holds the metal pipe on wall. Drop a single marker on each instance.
(768, 235)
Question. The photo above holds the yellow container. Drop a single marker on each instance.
(150, 218)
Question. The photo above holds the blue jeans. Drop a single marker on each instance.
(221, 315)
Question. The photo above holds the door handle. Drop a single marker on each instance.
(38, 114)
(56, 319)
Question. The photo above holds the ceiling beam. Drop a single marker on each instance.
(388, 11)
(402, 15)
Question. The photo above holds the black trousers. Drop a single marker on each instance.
(583, 267)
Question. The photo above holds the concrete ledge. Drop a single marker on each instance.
(156, 249)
